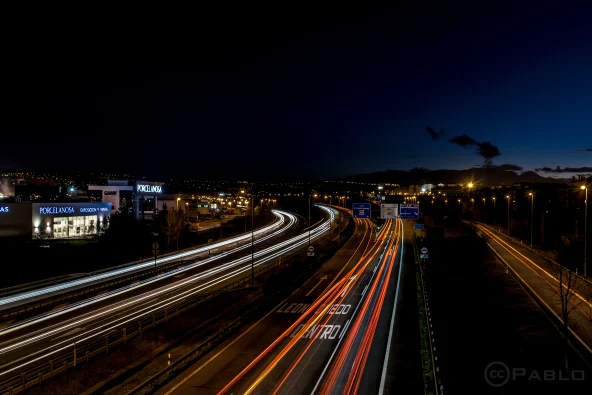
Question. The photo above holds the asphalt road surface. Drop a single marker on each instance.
(26, 344)
(542, 277)
(331, 335)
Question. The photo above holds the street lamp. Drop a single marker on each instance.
(493, 210)
(309, 196)
(508, 197)
(585, 188)
(178, 203)
(484, 211)
(531, 214)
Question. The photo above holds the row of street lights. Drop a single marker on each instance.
(583, 187)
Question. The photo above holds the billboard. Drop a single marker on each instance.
(409, 211)
(361, 210)
(389, 210)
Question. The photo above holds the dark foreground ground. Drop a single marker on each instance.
(482, 316)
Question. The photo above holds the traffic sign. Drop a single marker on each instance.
(361, 210)
(310, 253)
(310, 248)
(155, 246)
(389, 210)
(424, 250)
(409, 211)
(423, 256)
(419, 226)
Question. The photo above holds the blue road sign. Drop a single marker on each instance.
(409, 211)
(419, 226)
(361, 210)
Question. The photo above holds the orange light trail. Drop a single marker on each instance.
(553, 286)
(334, 296)
(361, 357)
(311, 341)
(334, 290)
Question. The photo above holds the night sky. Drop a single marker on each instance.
(284, 93)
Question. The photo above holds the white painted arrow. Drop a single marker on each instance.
(319, 283)
(351, 279)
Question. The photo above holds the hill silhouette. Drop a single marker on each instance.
(480, 175)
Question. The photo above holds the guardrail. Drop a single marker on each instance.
(577, 342)
(436, 386)
(81, 353)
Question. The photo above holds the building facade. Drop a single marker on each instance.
(60, 220)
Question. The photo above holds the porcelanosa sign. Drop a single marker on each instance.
(56, 210)
(149, 188)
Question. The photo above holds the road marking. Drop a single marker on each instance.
(365, 289)
(317, 284)
(344, 328)
(351, 279)
(218, 353)
(390, 336)
(341, 338)
(293, 308)
(321, 332)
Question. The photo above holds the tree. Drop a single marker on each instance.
(43, 237)
(567, 287)
(172, 223)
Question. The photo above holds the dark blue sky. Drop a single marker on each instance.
(271, 93)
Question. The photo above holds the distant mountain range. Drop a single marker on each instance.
(483, 176)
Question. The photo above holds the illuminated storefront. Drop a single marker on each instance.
(60, 220)
(69, 220)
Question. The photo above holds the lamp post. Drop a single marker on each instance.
(585, 188)
(484, 210)
(508, 197)
(493, 210)
(531, 214)
(178, 203)
(309, 218)
(246, 203)
(252, 241)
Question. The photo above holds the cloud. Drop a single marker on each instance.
(463, 140)
(507, 166)
(435, 135)
(487, 151)
(585, 150)
(558, 169)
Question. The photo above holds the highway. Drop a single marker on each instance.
(331, 335)
(27, 346)
(542, 279)
(19, 299)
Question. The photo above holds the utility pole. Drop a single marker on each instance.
(309, 218)
(531, 215)
(585, 187)
(494, 211)
(508, 197)
(252, 240)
